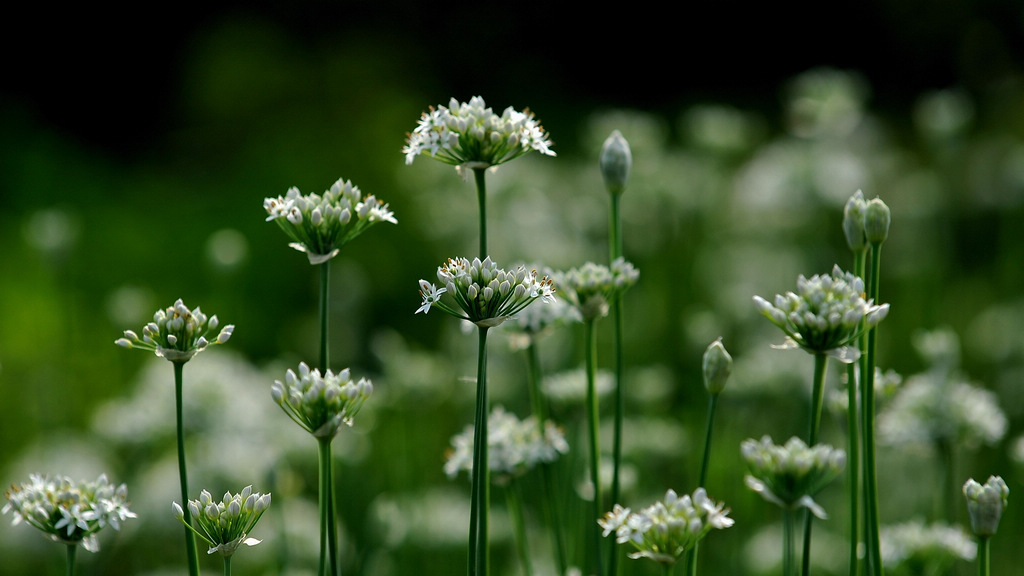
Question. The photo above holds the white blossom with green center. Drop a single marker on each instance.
(791, 475)
(225, 525)
(320, 403)
(177, 333)
(665, 530)
(320, 225)
(591, 287)
(985, 504)
(471, 135)
(825, 314)
(913, 548)
(514, 446)
(67, 511)
(482, 293)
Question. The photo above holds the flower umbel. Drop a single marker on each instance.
(514, 446)
(483, 293)
(471, 135)
(592, 286)
(791, 475)
(177, 333)
(225, 525)
(912, 548)
(67, 511)
(320, 224)
(985, 503)
(320, 403)
(824, 315)
(665, 530)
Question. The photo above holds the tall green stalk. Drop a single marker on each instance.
(324, 459)
(327, 498)
(853, 434)
(983, 556)
(788, 545)
(871, 529)
(190, 541)
(514, 500)
(479, 175)
(615, 251)
(590, 339)
(479, 551)
(227, 566)
(691, 558)
(817, 395)
(72, 550)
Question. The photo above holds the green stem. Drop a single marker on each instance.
(190, 541)
(871, 530)
(72, 550)
(533, 376)
(479, 561)
(325, 462)
(983, 556)
(945, 450)
(788, 552)
(227, 566)
(615, 251)
(590, 338)
(854, 435)
(325, 281)
(325, 313)
(514, 500)
(818, 393)
(691, 558)
(666, 569)
(481, 194)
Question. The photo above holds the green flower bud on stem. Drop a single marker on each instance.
(717, 366)
(876, 221)
(853, 222)
(985, 504)
(616, 162)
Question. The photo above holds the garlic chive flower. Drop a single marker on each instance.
(985, 503)
(225, 525)
(824, 315)
(616, 162)
(320, 224)
(592, 286)
(665, 530)
(514, 446)
(177, 333)
(320, 403)
(470, 135)
(791, 475)
(483, 293)
(69, 512)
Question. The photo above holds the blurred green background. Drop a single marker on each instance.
(134, 159)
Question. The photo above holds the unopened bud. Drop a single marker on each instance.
(876, 221)
(853, 222)
(616, 162)
(717, 366)
(985, 504)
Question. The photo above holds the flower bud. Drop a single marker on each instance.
(616, 162)
(717, 366)
(876, 221)
(985, 504)
(853, 222)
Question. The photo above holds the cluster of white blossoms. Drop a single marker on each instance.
(913, 547)
(825, 314)
(985, 504)
(483, 293)
(320, 225)
(225, 525)
(320, 403)
(177, 333)
(665, 530)
(591, 287)
(67, 511)
(790, 475)
(514, 446)
(471, 135)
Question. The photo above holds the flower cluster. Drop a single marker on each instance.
(985, 504)
(320, 225)
(514, 446)
(67, 511)
(320, 403)
(471, 135)
(483, 293)
(791, 475)
(913, 547)
(825, 315)
(665, 530)
(592, 286)
(177, 333)
(225, 525)
(929, 410)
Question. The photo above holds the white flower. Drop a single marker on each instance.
(514, 446)
(430, 295)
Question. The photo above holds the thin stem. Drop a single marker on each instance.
(666, 569)
(871, 530)
(533, 376)
(854, 435)
(325, 313)
(945, 450)
(983, 556)
(72, 550)
(788, 552)
(691, 558)
(227, 566)
(514, 500)
(817, 394)
(590, 338)
(190, 541)
(479, 560)
(481, 194)
(326, 517)
(615, 251)
(325, 281)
